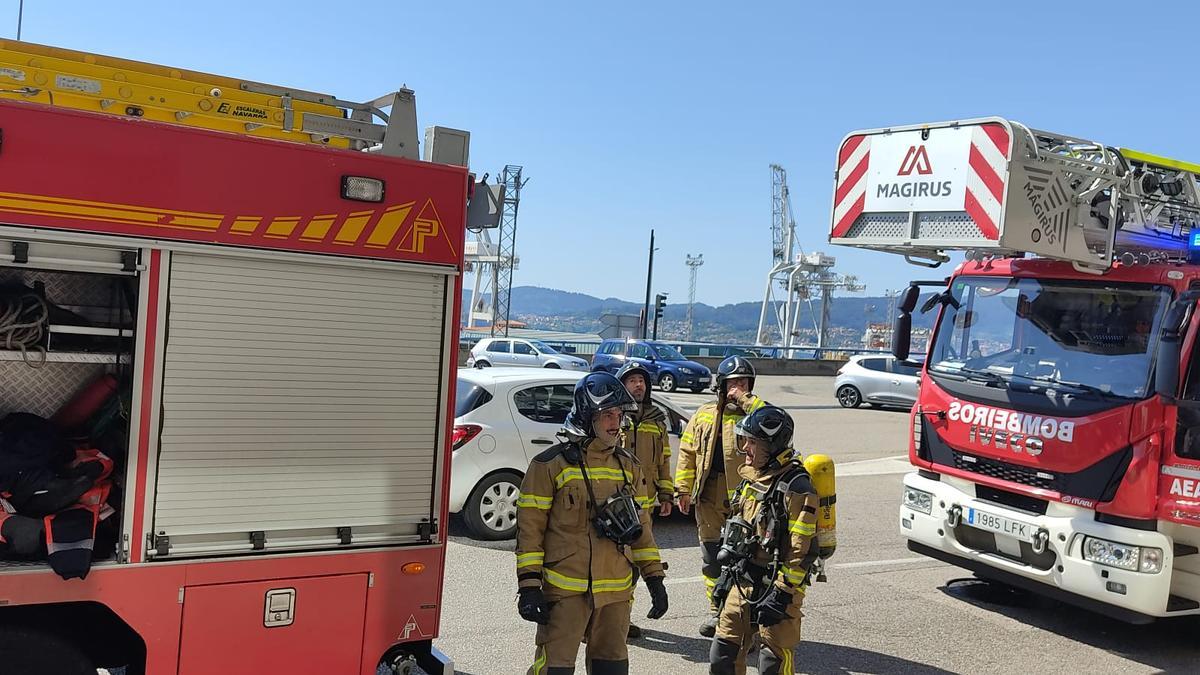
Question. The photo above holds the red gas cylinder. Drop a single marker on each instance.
(85, 404)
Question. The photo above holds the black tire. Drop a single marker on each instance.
(482, 364)
(554, 366)
(875, 405)
(28, 650)
(475, 510)
(697, 390)
(667, 382)
(848, 396)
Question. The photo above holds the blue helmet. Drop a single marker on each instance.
(635, 368)
(734, 367)
(594, 393)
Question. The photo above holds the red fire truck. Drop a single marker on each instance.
(1056, 436)
(269, 281)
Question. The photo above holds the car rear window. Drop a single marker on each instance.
(498, 347)
(874, 364)
(468, 397)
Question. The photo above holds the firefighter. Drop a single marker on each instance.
(767, 550)
(646, 436)
(708, 464)
(580, 534)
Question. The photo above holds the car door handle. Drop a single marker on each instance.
(895, 381)
(541, 441)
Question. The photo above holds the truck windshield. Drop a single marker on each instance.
(1072, 336)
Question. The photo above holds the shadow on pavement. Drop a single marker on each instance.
(1167, 645)
(811, 657)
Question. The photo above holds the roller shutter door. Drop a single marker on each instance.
(299, 399)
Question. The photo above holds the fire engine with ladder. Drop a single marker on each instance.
(1056, 436)
(266, 281)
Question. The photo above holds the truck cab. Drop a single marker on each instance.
(1056, 435)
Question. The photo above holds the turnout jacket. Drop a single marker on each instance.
(800, 502)
(697, 445)
(558, 548)
(649, 441)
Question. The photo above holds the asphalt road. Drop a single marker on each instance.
(883, 610)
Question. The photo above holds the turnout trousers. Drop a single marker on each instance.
(571, 618)
(735, 633)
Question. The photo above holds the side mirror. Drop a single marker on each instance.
(908, 301)
(902, 336)
(1166, 366)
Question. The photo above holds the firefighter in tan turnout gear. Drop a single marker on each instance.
(580, 533)
(646, 435)
(708, 463)
(767, 550)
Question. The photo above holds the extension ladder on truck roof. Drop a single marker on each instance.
(997, 187)
(104, 84)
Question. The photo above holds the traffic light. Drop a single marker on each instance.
(660, 304)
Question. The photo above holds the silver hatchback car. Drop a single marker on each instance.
(520, 352)
(876, 380)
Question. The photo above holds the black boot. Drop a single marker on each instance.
(634, 632)
(602, 667)
(709, 627)
(722, 657)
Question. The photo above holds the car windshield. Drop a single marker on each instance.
(668, 353)
(1070, 336)
(543, 347)
(468, 396)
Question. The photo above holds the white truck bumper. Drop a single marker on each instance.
(1058, 569)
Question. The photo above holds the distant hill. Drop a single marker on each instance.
(552, 309)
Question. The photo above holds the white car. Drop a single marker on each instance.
(503, 418)
(490, 352)
(876, 380)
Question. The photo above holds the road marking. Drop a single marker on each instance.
(877, 459)
(874, 467)
(841, 566)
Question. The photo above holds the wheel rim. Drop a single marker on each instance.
(848, 397)
(498, 506)
(667, 382)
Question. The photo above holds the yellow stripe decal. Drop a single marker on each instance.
(802, 528)
(564, 582)
(534, 502)
(599, 473)
(540, 663)
(645, 554)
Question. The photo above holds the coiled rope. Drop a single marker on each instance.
(24, 320)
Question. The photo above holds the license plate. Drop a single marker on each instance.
(705, 380)
(1000, 525)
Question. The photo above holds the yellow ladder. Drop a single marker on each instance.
(113, 86)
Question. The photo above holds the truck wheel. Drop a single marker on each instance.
(28, 650)
(667, 382)
(491, 510)
(848, 396)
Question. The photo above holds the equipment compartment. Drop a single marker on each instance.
(67, 321)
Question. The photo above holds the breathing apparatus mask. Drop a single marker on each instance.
(736, 541)
(618, 518)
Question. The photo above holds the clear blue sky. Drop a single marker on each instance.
(629, 116)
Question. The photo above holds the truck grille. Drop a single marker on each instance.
(1013, 473)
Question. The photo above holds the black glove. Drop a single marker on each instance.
(658, 598)
(531, 605)
(774, 607)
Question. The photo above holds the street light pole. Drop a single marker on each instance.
(649, 276)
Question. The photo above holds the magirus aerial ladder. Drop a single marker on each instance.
(998, 187)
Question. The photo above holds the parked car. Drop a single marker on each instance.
(877, 380)
(504, 417)
(520, 352)
(671, 370)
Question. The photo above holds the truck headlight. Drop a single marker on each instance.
(1122, 556)
(918, 500)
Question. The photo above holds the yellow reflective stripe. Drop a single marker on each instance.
(598, 473)
(646, 502)
(684, 474)
(730, 493)
(534, 502)
(687, 437)
(564, 582)
(540, 662)
(530, 559)
(792, 575)
(731, 418)
(649, 427)
(665, 484)
(645, 554)
(787, 663)
(611, 585)
(802, 528)
(667, 450)
(758, 403)
(703, 417)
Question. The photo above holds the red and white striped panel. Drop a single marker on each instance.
(850, 192)
(984, 198)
